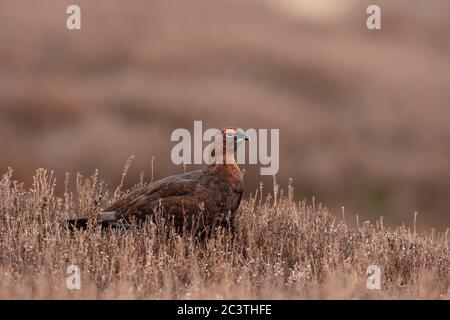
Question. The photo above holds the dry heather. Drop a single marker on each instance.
(283, 249)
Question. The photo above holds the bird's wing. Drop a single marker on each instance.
(167, 192)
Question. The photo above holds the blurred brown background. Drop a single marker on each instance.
(363, 115)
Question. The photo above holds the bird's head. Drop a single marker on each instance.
(231, 138)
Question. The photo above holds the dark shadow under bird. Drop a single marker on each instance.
(201, 199)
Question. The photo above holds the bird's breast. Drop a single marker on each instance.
(222, 190)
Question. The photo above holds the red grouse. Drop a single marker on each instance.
(201, 199)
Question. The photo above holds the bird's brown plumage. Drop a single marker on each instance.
(202, 199)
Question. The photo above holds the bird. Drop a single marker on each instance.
(198, 201)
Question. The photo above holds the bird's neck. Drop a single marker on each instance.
(226, 163)
(225, 159)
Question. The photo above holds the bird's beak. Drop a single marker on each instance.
(243, 137)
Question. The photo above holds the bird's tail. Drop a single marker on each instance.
(106, 219)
